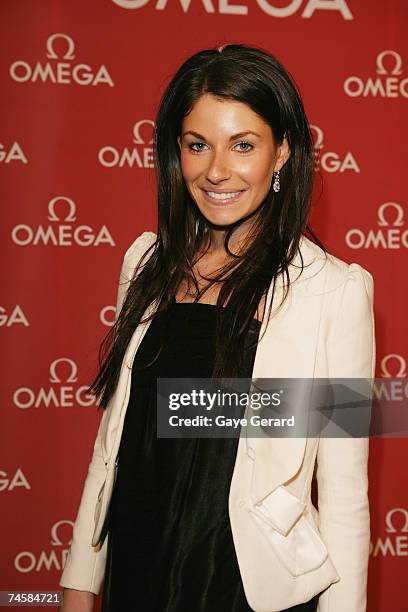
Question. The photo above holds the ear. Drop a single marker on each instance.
(283, 154)
(179, 141)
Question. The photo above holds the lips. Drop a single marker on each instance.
(222, 196)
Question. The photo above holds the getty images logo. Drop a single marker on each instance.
(329, 161)
(63, 392)
(140, 154)
(388, 84)
(391, 232)
(267, 6)
(62, 231)
(60, 69)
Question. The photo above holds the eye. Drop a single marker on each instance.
(248, 144)
(194, 144)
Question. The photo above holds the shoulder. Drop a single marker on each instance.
(347, 314)
(338, 272)
(134, 254)
(138, 247)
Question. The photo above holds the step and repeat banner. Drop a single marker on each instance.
(80, 84)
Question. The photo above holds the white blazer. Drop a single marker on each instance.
(287, 549)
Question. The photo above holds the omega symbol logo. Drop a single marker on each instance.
(139, 155)
(388, 82)
(60, 68)
(399, 216)
(395, 360)
(63, 391)
(50, 559)
(137, 138)
(397, 62)
(72, 377)
(55, 539)
(389, 520)
(70, 45)
(395, 542)
(61, 232)
(52, 216)
(390, 233)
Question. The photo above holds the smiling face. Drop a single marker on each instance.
(228, 155)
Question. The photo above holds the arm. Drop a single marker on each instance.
(342, 462)
(84, 567)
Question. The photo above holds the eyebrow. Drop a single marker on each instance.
(239, 135)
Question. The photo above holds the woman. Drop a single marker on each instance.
(230, 286)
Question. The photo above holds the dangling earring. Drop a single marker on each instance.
(276, 184)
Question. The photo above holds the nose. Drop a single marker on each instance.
(218, 169)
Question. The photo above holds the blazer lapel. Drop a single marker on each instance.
(287, 350)
(111, 431)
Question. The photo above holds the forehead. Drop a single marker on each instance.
(211, 115)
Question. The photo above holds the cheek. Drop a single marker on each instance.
(256, 172)
(190, 166)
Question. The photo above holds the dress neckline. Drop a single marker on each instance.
(225, 308)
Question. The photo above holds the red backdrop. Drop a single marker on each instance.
(80, 87)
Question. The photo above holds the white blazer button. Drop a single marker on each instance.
(241, 503)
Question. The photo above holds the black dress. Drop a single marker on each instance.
(170, 546)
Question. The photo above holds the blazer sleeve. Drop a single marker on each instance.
(84, 566)
(342, 462)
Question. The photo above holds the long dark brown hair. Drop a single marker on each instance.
(256, 78)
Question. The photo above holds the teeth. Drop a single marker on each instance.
(223, 196)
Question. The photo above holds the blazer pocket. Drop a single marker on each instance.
(296, 543)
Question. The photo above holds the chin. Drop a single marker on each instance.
(222, 218)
